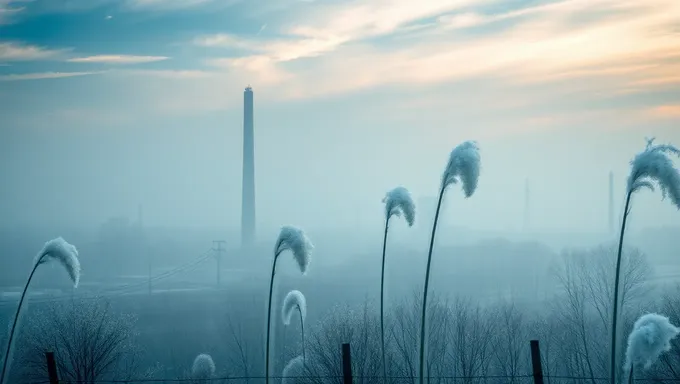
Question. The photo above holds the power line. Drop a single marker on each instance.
(122, 290)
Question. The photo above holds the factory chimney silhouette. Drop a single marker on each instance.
(248, 186)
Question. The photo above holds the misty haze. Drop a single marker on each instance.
(317, 191)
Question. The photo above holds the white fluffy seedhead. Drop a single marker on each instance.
(399, 201)
(654, 165)
(294, 239)
(292, 370)
(64, 253)
(203, 367)
(651, 336)
(294, 300)
(464, 166)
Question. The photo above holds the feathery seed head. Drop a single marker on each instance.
(294, 368)
(651, 336)
(203, 367)
(64, 253)
(655, 165)
(294, 239)
(464, 166)
(294, 300)
(397, 202)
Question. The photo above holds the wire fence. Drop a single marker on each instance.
(514, 379)
(122, 289)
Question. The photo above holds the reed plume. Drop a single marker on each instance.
(398, 202)
(651, 336)
(293, 370)
(54, 250)
(295, 301)
(296, 241)
(649, 167)
(203, 368)
(463, 167)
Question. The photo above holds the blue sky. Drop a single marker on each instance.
(112, 103)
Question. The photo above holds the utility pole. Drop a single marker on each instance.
(218, 256)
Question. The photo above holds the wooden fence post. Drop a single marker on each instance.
(52, 368)
(536, 362)
(346, 364)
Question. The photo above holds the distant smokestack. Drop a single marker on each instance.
(611, 202)
(526, 205)
(248, 186)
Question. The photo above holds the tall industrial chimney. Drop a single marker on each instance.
(248, 186)
(611, 202)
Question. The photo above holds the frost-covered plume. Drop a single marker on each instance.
(295, 302)
(398, 201)
(62, 252)
(654, 166)
(651, 167)
(651, 336)
(295, 240)
(66, 255)
(463, 167)
(203, 367)
(294, 369)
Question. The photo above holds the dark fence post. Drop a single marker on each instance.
(52, 368)
(536, 362)
(346, 364)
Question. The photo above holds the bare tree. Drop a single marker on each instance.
(344, 325)
(245, 349)
(510, 344)
(89, 341)
(472, 341)
(404, 326)
(582, 309)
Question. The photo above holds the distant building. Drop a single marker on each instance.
(248, 186)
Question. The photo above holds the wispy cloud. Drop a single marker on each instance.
(671, 111)
(117, 59)
(12, 51)
(44, 75)
(174, 4)
(10, 8)
(168, 74)
(623, 40)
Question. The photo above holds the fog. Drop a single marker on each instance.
(122, 134)
(145, 207)
(322, 171)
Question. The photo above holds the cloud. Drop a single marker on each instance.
(10, 8)
(12, 51)
(44, 75)
(170, 5)
(108, 17)
(332, 47)
(671, 111)
(117, 59)
(168, 74)
(338, 24)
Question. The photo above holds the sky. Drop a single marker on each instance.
(109, 104)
